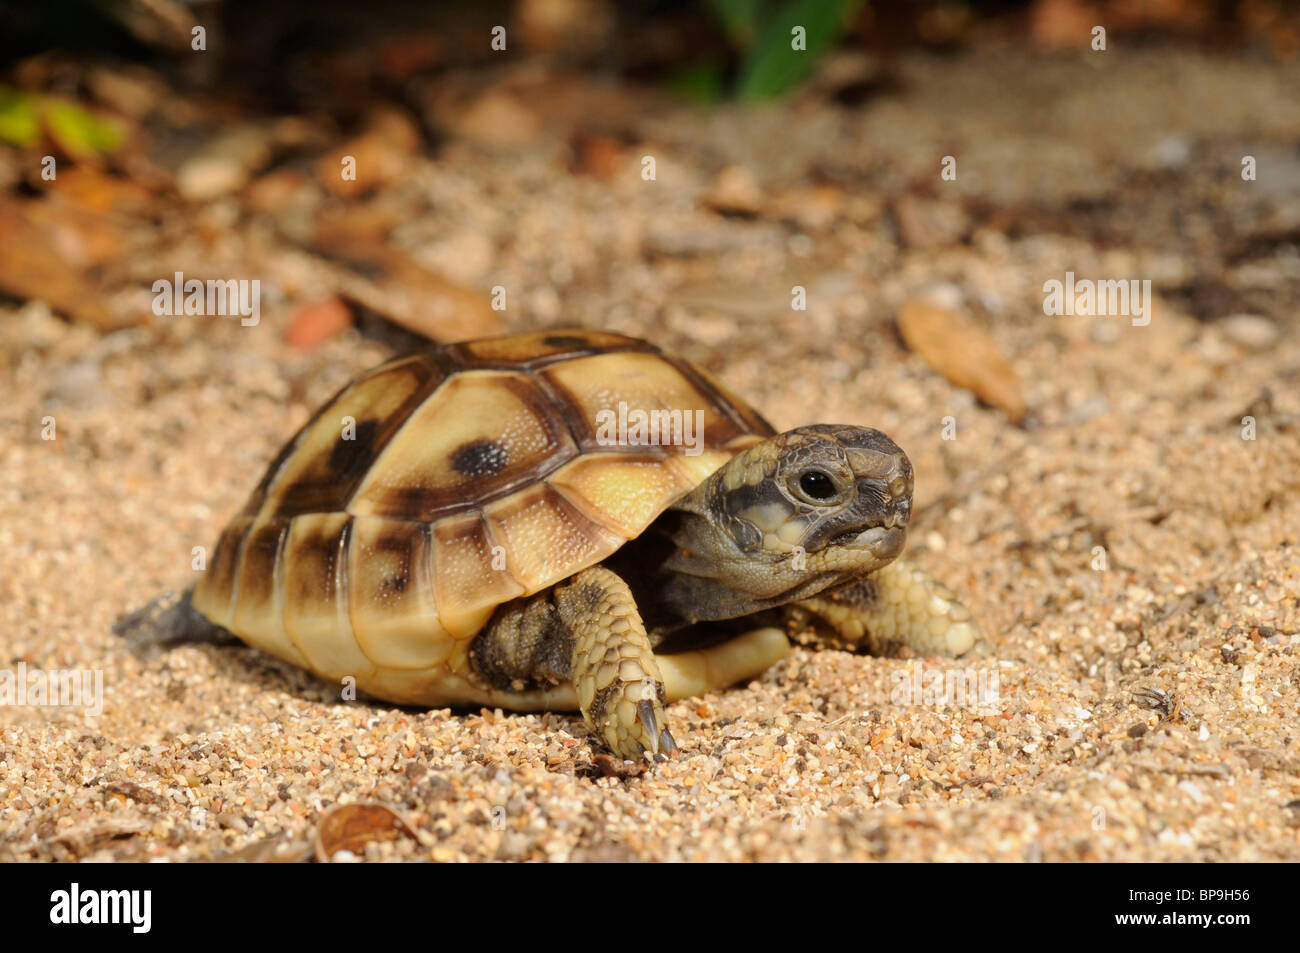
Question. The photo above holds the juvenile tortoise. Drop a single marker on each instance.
(462, 526)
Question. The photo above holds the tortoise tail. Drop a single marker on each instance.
(166, 621)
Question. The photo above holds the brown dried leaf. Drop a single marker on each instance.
(39, 262)
(395, 286)
(962, 352)
(351, 827)
(1062, 24)
(86, 238)
(317, 322)
(398, 58)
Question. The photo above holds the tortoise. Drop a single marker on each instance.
(567, 519)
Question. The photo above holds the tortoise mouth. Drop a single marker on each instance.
(884, 542)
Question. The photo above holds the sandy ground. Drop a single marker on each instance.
(1146, 700)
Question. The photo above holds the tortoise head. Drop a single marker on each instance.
(800, 512)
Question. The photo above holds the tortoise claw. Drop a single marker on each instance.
(661, 740)
(645, 713)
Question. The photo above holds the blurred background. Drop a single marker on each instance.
(505, 144)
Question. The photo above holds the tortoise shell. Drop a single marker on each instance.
(438, 486)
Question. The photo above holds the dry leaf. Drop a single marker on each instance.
(317, 322)
(395, 286)
(36, 262)
(963, 352)
(351, 827)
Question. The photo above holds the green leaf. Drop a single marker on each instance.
(739, 18)
(80, 132)
(19, 124)
(699, 82)
(773, 67)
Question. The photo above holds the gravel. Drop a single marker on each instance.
(1133, 560)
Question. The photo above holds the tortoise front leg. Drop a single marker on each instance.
(897, 605)
(588, 633)
(620, 689)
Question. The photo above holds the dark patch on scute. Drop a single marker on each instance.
(497, 472)
(393, 554)
(401, 543)
(480, 458)
(317, 557)
(332, 474)
(565, 340)
(399, 537)
(258, 496)
(223, 570)
(356, 453)
(260, 558)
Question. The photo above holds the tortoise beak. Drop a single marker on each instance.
(883, 542)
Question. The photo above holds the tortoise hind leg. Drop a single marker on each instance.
(168, 620)
(738, 659)
(899, 605)
(587, 632)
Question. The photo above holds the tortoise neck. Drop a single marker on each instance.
(682, 570)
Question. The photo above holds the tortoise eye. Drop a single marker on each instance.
(817, 485)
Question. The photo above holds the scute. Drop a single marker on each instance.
(215, 593)
(545, 536)
(392, 603)
(473, 573)
(442, 484)
(531, 351)
(622, 491)
(482, 435)
(258, 603)
(617, 384)
(332, 454)
(316, 611)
